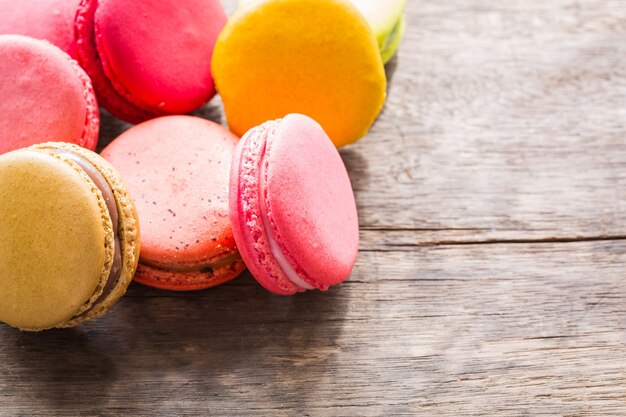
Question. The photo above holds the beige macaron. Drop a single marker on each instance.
(69, 245)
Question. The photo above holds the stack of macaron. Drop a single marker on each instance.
(270, 193)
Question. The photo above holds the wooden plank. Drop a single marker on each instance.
(503, 329)
(507, 117)
(491, 276)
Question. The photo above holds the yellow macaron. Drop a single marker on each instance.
(386, 18)
(314, 57)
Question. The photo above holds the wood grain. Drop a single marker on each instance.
(491, 279)
(523, 329)
(506, 117)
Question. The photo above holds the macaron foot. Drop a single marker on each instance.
(187, 281)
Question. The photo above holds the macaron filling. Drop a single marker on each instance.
(109, 199)
(286, 268)
(207, 268)
(281, 259)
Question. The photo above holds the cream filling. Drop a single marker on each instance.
(282, 261)
(109, 199)
(230, 259)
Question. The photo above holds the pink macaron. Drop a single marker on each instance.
(52, 20)
(46, 96)
(149, 58)
(292, 207)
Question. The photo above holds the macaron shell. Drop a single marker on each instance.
(52, 20)
(46, 96)
(384, 16)
(177, 168)
(118, 103)
(315, 57)
(128, 231)
(168, 69)
(56, 242)
(309, 201)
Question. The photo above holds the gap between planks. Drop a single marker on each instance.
(400, 240)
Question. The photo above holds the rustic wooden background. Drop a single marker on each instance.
(491, 278)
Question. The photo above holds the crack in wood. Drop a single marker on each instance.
(397, 246)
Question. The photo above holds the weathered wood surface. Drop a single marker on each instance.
(491, 281)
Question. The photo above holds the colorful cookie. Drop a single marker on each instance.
(315, 57)
(46, 96)
(177, 167)
(70, 240)
(292, 207)
(147, 58)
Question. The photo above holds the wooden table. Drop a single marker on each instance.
(491, 277)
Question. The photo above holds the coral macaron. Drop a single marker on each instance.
(178, 168)
(70, 240)
(292, 207)
(149, 58)
(46, 96)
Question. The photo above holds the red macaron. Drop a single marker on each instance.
(177, 168)
(292, 207)
(46, 96)
(149, 58)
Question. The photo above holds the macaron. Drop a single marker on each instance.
(314, 57)
(386, 17)
(46, 96)
(149, 58)
(70, 239)
(292, 207)
(177, 167)
(52, 20)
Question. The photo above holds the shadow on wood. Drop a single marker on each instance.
(154, 337)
